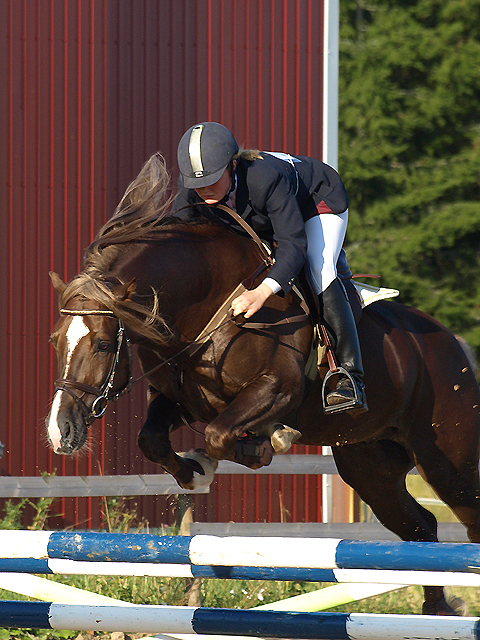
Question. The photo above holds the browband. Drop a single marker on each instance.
(87, 312)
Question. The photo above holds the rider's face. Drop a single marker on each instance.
(216, 191)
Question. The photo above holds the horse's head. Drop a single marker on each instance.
(94, 367)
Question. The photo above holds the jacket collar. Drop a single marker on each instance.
(242, 200)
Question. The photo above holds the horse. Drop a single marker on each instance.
(156, 281)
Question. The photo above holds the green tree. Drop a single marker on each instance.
(409, 141)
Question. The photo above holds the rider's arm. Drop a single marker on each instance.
(251, 301)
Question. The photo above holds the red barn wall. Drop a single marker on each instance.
(90, 89)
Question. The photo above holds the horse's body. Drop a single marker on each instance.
(424, 401)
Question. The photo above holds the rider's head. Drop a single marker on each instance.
(204, 152)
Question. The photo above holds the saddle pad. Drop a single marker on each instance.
(369, 293)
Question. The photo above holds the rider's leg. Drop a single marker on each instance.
(342, 331)
(325, 235)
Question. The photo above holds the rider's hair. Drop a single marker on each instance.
(248, 154)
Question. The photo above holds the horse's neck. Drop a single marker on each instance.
(193, 276)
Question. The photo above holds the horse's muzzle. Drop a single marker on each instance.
(66, 433)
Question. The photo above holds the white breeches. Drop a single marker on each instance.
(325, 235)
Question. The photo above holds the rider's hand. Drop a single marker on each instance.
(251, 301)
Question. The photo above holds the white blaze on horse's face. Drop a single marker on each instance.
(75, 332)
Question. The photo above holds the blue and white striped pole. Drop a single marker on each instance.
(375, 576)
(203, 550)
(266, 624)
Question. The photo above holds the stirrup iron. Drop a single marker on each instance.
(356, 403)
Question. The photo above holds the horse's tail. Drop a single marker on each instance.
(147, 200)
(469, 353)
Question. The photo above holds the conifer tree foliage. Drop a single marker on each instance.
(409, 151)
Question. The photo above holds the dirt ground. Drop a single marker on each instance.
(117, 635)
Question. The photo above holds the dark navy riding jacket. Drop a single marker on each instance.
(276, 197)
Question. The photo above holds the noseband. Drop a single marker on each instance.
(103, 396)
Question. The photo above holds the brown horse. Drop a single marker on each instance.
(157, 282)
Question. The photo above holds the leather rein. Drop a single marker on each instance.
(221, 317)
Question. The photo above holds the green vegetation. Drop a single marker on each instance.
(409, 151)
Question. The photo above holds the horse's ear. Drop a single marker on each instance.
(58, 284)
(125, 291)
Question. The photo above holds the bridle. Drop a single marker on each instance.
(103, 395)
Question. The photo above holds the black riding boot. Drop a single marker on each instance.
(341, 328)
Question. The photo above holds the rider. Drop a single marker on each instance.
(297, 204)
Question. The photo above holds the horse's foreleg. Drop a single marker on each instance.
(154, 441)
(258, 404)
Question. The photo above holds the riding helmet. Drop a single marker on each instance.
(204, 152)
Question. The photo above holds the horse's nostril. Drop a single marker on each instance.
(67, 431)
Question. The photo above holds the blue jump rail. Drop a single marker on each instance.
(213, 551)
(234, 622)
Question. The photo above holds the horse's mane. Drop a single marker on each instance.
(138, 216)
(142, 209)
(141, 216)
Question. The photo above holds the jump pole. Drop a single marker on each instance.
(266, 624)
(318, 600)
(302, 553)
(329, 597)
(54, 566)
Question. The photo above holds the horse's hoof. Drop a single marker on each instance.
(283, 437)
(197, 467)
(203, 469)
(451, 606)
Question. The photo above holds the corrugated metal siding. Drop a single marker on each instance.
(90, 90)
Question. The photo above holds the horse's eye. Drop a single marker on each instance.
(103, 345)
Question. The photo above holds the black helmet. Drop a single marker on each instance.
(204, 153)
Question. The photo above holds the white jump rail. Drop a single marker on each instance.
(152, 484)
(447, 531)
